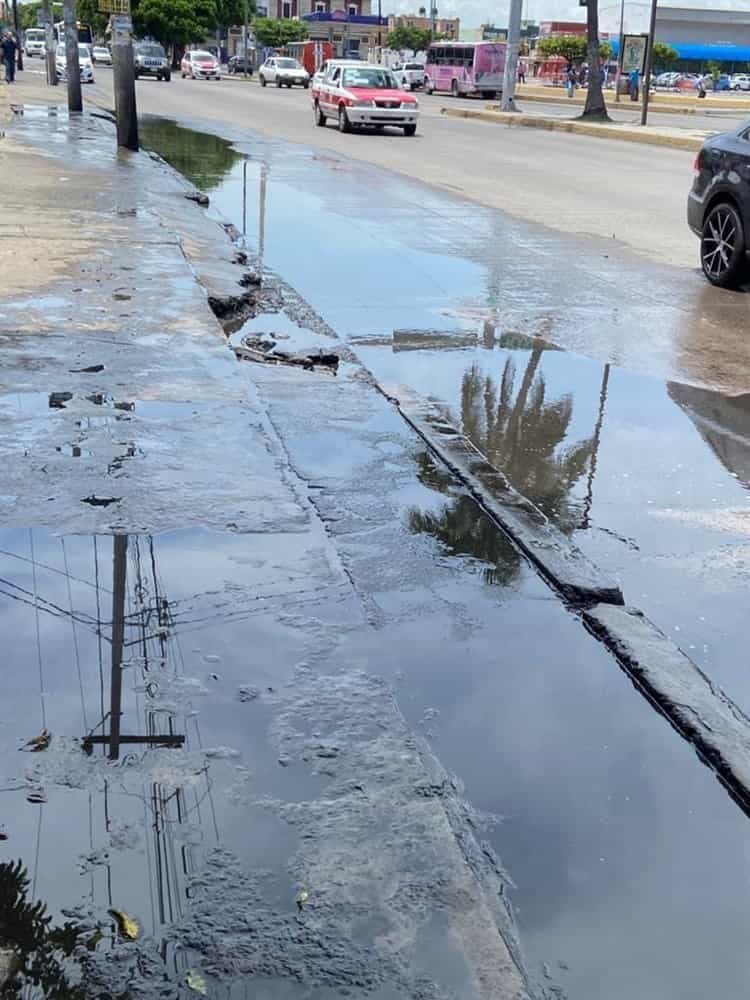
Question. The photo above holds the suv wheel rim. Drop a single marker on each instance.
(719, 242)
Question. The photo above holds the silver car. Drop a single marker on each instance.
(284, 72)
(102, 55)
(84, 61)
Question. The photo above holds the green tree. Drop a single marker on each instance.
(275, 34)
(664, 56)
(28, 14)
(87, 12)
(175, 22)
(572, 48)
(412, 39)
(230, 13)
(714, 70)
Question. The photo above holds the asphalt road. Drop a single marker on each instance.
(615, 190)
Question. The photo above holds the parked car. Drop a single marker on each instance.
(84, 62)
(364, 95)
(667, 79)
(240, 64)
(101, 54)
(741, 81)
(284, 72)
(719, 206)
(724, 82)
(150, 59)
(200, 65)
(410, 75)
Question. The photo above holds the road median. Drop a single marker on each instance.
(648, 135)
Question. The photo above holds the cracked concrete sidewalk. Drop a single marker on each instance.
(122, 409)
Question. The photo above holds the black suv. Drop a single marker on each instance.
(719, 207)
(151, 60)
(238, 64)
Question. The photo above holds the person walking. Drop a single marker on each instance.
(635, 80)
(571, 80)
(9, 49)
(521, 73)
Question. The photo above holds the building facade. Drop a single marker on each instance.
(354, 32)
(447, 27)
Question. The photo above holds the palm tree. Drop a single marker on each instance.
(522, 436)
(595, 107)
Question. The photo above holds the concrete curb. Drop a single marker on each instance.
(697, 708)
(623, 133)
(559, 561)
(741, 104)
(577, 102)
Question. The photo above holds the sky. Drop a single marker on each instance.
(476, 12)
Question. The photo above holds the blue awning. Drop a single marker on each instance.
(703, 53)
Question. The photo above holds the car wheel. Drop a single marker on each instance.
(454, 89)
(410, 129)
(320, 118)
(278, 82)
(344, 124)
(182, 74)
(167, 77)
(262, 80)
(306, 85)
(723, 246)
(136, 74)
(428, 89)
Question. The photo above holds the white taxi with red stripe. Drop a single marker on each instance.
(362, 94)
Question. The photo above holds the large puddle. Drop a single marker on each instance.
(629, 859)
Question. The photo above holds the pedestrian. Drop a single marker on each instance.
(9, 48)
(521, 73)
(571, 80)
(635, 80)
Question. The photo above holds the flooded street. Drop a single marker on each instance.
(289, 714)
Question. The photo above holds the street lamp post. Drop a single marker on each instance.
(19, 62)
(380, 31)
(649, 62)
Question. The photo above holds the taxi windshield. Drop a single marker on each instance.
(378, 79)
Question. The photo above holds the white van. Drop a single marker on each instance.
(33, 42)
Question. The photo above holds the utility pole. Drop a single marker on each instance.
(433, 15)
(511, 56)
(380, 31)
(19, 61)
(618, 74)
(244, 42)
(123, 72)
(649, 63)
(119, 575)
(72, 64)
(49, 43)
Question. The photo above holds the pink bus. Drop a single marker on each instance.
(465, 68)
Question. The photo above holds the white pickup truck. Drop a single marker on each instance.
(410, 75)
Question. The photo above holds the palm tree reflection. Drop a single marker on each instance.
(462, 528)
(522, 436)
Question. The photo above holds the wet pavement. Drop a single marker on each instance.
(366, 751)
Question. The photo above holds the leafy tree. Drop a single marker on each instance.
(28, 14)
(664, 55)
(572, 48)
(275, 34)
(714, 70)
(412, 39)
(175, 22)
(87, 11)
(38, 949)
(232, 12)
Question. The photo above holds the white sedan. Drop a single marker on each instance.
(102, 55)
(84, 61)
(283, 72)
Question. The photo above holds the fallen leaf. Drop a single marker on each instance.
(302, 897)
(40, 742)
(196, 981)
(127, 926)
(38, 798)
(3, 834)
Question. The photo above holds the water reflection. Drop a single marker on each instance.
(521, 431)
(722, 421)
(462, 528)
(203, 158)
